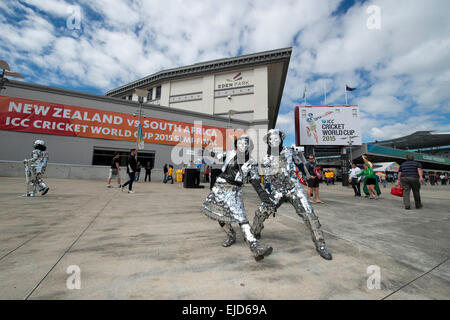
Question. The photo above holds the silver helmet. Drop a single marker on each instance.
(39, 144)
(249, 141)
(274, 131)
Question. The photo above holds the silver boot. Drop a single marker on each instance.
(323, 251)
(230, 233)
(259, 252)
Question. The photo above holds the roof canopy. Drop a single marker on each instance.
(417, 140)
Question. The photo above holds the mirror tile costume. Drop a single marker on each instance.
(225, 203)
(279, 170)
(35, 168)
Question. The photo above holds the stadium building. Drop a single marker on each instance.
(82, 130)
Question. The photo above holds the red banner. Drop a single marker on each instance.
(44, 117)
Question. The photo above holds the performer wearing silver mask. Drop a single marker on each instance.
(225, 204)
(35, 168)
(278, 168)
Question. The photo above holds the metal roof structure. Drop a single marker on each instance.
(417, 140)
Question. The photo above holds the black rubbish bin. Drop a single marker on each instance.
(190, 178)
(214, 174)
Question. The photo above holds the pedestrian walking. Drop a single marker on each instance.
(207, 172)
(410, 177)
(169, 174)
(114, 170)
(383, 179)
(131, 170)
(371, 181)
(313, 182)
(148, 172)
(138, 171)
(165, 170)
(355, 180)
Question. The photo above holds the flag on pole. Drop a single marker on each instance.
(140, 138)
(347, 88)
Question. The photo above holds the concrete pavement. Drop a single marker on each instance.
(155, 244)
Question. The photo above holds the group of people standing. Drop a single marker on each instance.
(434, 178)
(410, 177)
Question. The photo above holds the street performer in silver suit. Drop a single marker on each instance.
(35, 168)
(225, 204)
(278, 168)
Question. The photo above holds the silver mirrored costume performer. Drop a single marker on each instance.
(278, 168)
(34, 169)
(225, 203)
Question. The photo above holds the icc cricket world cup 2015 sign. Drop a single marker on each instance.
(327, 125)
(51, 118)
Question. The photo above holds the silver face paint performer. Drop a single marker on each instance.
(35, 168)
(225, 204)
(278, 168)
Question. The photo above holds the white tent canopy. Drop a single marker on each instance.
(385, 166)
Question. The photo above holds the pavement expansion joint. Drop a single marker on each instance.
(70, 247)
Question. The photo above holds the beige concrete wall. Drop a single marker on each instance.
(238, 103)
(165, 94)
(208, 94)
(256, 101)
(186, 86)
(261, 93)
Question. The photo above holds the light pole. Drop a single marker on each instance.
(230, 112)
(141, 93)
(350, 143)
(345, 162)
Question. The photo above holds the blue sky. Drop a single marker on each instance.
(394, 52)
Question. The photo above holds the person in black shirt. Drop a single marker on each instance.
(410, 176)
(165, 170)
(114, 171)
(148, 172)
(131, 170)
(313, 182)
(138, 171)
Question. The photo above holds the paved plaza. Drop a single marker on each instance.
(155, 244)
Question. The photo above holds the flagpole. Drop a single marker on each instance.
(346, 98)
(304, 95)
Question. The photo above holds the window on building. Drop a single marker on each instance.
(102, 156)
(150, 94)
(130, 97)
(158, 93)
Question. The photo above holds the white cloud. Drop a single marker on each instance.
(57, 8)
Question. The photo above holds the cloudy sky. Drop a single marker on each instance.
(396, 53)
